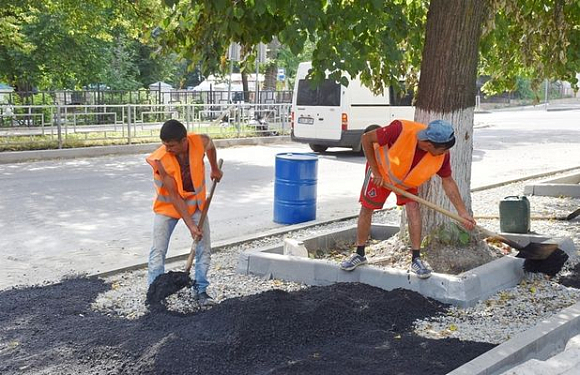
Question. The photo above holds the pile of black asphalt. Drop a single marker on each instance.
(338, 329)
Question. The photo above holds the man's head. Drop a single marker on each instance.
(437, 138)
(174, 136)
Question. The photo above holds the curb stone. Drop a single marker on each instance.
(71, 153)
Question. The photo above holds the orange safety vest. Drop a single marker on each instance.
(194, 200)
(395, 162)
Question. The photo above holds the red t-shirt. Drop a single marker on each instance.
(387, 135)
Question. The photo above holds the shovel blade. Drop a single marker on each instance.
(537, 251)
(165, 285)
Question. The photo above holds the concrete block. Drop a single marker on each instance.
(569, 358)
(574, 342)
(567, 186)
(539, 343)
(462, 290)
(295, 248)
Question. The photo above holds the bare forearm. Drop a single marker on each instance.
(452, 192)
(212, 157)
(367, 141)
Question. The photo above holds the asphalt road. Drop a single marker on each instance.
(94, 214)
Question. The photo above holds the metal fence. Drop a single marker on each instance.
(75, 125)
(143, 96)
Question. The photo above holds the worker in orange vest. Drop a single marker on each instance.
(405, 154)
(179, 178)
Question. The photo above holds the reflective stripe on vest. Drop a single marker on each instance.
(395, 162)
(196, 190)
(193, 200)
(188, 201)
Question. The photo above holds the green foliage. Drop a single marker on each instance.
(70, 44)
(448, 234)
(381, 40)
(536, 40)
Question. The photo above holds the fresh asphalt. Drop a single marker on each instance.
(89, 215)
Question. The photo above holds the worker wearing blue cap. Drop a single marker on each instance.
(405, 154)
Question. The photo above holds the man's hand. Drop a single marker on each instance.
(378, 179)
(468, 221)
(196, 233)
(216, 174)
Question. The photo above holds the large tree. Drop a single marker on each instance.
(385, 40)
(69, 44)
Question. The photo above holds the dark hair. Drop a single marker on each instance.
(445, 146)
(172, 130)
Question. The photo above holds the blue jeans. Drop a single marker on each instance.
(163, 226)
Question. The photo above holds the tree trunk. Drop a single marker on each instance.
(245, 86)
(272, 69)
(447, 90)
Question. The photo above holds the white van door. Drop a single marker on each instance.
(318, 111)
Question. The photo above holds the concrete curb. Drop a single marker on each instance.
(541, 342)
(485, 187)
(295, 261)
(71, 153)
(567, 186)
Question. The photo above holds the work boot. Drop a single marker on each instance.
(353, 262)
(204, 299)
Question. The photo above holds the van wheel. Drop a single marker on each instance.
(318, 148)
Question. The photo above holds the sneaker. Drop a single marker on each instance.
(352, 262)
(205, 300)
(420, 268)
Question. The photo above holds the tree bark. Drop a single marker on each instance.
(447, 90)
(245, 86)
(272, 69)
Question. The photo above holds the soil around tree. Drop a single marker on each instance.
(342, 328)
(443, 258)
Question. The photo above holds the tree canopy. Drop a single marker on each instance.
(381, 40)
(69, 44)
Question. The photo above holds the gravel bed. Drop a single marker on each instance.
(492, 321)
(128, 290)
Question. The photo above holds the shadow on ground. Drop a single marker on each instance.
(343, 328)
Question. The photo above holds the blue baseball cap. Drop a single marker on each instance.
(438, 131)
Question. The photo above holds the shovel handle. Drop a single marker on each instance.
(439, 209)
(189, 262)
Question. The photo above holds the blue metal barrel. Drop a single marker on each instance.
(295, 187)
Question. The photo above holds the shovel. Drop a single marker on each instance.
(532, 251)
(173, 281)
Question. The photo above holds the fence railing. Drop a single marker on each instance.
(143, 96)
(59, 126)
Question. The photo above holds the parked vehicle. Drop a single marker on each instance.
(333, 115)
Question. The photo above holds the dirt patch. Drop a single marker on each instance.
(449, 259)
(343, 328)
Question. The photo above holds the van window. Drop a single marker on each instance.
(326, 94)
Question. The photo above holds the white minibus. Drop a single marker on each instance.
(333, 115)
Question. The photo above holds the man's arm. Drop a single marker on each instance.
(210, 151)
(452, 192)
(367, 141)
(178, 202)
